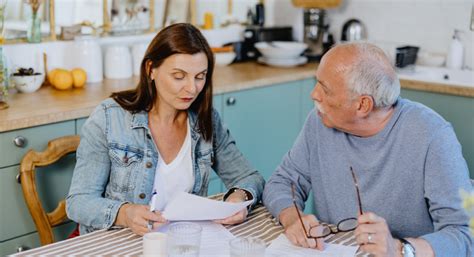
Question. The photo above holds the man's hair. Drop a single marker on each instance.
(371, 73)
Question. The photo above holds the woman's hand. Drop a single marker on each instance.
(137, 218)
(239, 217)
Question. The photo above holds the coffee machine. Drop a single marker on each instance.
(316, 28)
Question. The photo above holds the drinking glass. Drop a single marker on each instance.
(184, 239)
(247, 247)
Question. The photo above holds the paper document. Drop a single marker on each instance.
(283, 247)
(214, 239)
(185, 206)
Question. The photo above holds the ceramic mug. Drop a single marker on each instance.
(118, 62)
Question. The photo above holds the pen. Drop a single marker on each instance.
(152, 209)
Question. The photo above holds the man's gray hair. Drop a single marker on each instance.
(372, 74)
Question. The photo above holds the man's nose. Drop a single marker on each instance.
(315, 94)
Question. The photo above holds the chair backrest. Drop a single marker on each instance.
(56, 149)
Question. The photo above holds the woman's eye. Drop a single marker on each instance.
(178, 76)
(201, 76)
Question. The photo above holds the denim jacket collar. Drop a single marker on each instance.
(140, 120)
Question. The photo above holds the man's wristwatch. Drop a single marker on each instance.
(407, 248)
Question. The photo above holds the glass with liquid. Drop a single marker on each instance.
(247, 247)
(184, 239)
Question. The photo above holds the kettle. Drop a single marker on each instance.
(353, 30)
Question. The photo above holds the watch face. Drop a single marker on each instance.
(408, 251)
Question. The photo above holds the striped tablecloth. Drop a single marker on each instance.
(122, 242)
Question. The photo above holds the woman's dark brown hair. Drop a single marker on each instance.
(181, 38)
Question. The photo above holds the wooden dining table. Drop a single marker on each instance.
(123, 242)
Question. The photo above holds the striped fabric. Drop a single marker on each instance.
(122, 242)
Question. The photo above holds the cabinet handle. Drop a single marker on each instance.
(231, 101)
(18, 178)
(20, 141)
(22, 248)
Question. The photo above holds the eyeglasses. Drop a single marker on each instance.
(323, 230)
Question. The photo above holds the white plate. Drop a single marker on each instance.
(289, 62)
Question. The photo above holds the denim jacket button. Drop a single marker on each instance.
(149, 164)
(142, 195)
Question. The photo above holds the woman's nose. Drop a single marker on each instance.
(191, 86)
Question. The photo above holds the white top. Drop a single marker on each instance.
(176, 176)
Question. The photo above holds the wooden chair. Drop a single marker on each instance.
(56, 149)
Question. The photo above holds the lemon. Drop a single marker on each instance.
(79, 77)
(62, 79)
(51, 75)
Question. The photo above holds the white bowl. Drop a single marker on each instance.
(223, 59)
(281, 49)
(28, 83)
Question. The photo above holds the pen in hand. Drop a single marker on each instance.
(152, 209)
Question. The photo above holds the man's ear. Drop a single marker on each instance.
(366, 105)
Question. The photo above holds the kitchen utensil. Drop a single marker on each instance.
(118, 62)
(353, 30)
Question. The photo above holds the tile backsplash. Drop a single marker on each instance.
(391, 23)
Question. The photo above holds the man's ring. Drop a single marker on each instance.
(369, 238)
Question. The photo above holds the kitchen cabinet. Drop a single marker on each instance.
(458, 110)
(16, 225)
(32, 240)
(264, 122)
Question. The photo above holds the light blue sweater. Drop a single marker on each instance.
(410, 174)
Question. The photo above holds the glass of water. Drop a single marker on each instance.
(184, 239)
(247, 246)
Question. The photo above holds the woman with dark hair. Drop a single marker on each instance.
(163, 136)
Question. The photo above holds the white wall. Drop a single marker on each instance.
(392, 23)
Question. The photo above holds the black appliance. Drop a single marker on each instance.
(246, 50)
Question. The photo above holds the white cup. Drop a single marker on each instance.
(154, 244)
(138, 52)
(118, 62)
(89, 57)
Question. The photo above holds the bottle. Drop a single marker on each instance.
(456, 52)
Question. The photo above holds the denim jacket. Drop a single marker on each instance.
(117, 158)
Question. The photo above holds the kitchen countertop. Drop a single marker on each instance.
(48, 105)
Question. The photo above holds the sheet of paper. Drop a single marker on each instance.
(185, 206)
(283, 247)
(214, 239)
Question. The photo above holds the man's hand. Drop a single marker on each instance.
(240, 216)
(137, 217)
(373, 236)
(294, 231)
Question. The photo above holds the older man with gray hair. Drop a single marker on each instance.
(387, 168)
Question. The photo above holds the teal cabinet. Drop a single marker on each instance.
(79, 124)
(457, 110)
(16, 143)
(32, 240)
(16, 225)
(264, 123)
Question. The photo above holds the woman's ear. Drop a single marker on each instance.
(148, 69)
